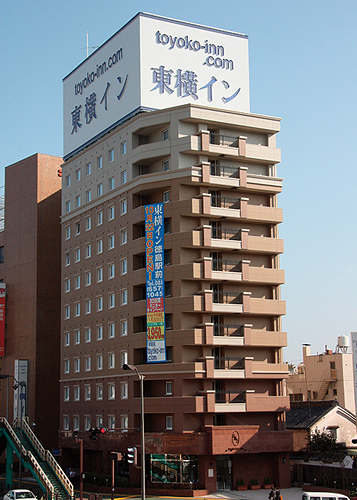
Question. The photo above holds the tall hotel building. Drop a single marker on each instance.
(164, 126)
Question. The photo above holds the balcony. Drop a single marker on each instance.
(227, 302)
(230, 401)
(234, 335)
(229, 367)
(233, 270)
(263, 403)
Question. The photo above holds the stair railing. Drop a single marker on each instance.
(31, 436)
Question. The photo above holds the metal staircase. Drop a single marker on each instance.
(39, 461)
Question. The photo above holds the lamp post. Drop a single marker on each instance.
(141, 378)
(22, 386)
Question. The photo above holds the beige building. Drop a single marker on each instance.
(325, 377)
(217, 405)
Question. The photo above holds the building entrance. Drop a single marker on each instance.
(224, 473)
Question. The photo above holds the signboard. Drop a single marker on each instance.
(155, 283)
(21, 375)
(2, 318)
(153, 63)
(354, 358)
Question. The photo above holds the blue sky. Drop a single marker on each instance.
(303, 56)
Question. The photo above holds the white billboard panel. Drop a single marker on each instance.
(153, 63)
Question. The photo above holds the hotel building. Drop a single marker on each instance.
(214, 409)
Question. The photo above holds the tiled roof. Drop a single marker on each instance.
(303, 415)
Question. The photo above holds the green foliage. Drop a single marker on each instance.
(322, 441)
(267, 480)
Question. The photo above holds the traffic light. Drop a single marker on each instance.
(96, 430)
(132, 456)
(59, 172)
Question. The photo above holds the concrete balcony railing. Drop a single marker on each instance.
(243, 334)
(264, 403)
(261, 369)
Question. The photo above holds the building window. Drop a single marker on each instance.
(88, 276)
(68, 180)
(168, 321)
(88, 168)
(123, 206)
(123, 266)
(99, 274)
(111, 422)
(66, 366)
(99, 392)
(88, 250)
(66, 339)
(99, 419)
(165, 135)
(77, 281)
(67, 312)
(99, 246)
(87, 363)
(111, 270)
(87, 392)
(99, 162)
(67, 237)
(124, 177)
(99, 332)
(111, 300)
(111, 242)
(111, 360)
(76, 423)
(111, 330)
(66, 422)
(88, 223)
(124, 327)
(67, 259)
(66, 394)
(124, 357)
(99, 362)
(99, 217)
(77, 365)
(68, 206)
(88, 334)
(67, 285)
(77, 309)
(123, 236)
(167, 288)
(88, 195)
(111, 214)
(88, 306)
(124, 423)
(111, 155)
(124, 390)
(77, 175)
(111, 390)
(168, 389)
(77, 228)
(77, 337)
(165, 165)
(124, 297)
(87, 424)
(78, 201)
(111, 184)
(99, 189)
(76, 393)
(166, 196)
(123, 148)
(169, 424)
(77, 255)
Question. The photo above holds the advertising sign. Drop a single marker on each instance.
(21, 375)
(155, 283)
(153, 63)
(2, 318)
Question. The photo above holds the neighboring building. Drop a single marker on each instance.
(30, 268)
(325, 377)
(215, 409)
(308, 417)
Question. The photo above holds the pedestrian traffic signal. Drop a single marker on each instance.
(132, 456)
(96, 430)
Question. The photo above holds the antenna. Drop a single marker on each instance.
(87, 47)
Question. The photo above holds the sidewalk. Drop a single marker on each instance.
(287, 494)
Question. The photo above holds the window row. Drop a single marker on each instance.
(87, 333)
(99, 422)
(99, 274)
(99, 304)
(99, 247)
(87, 388)
(99, 362)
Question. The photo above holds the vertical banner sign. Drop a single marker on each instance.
(155, 284)
(2, 318)
(354, 358)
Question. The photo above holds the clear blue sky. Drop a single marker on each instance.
(303, 59)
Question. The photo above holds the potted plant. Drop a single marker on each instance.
(240, 485)
(267, 483)
(254, 484)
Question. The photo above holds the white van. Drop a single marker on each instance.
(324, 495)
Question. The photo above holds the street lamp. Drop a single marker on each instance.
(22, 386)
(141, 378)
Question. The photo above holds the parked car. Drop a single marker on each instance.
(19, 495)
(325, 495)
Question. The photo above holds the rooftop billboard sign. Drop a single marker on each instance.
(153, 63)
